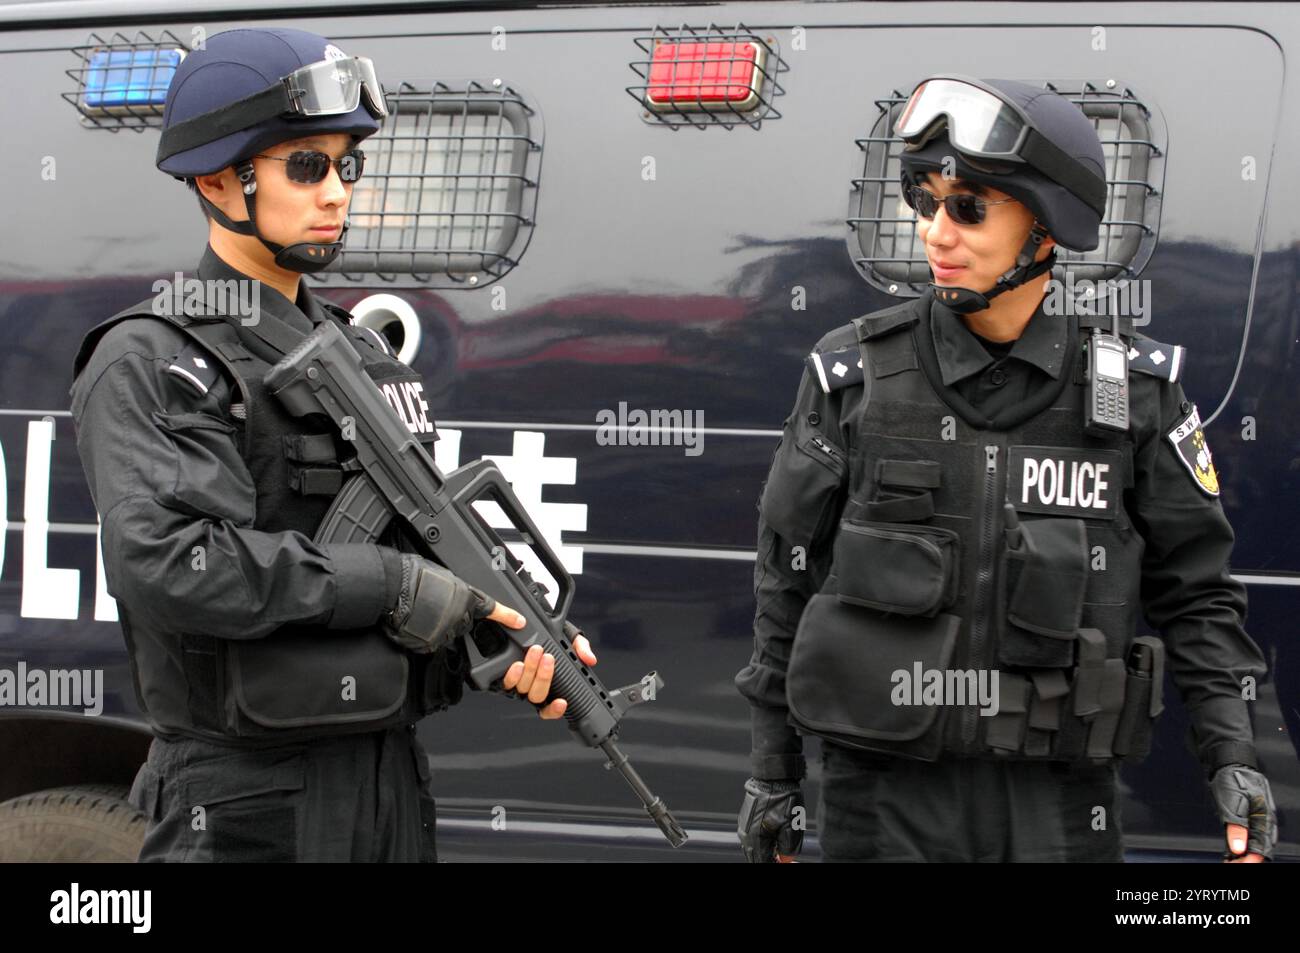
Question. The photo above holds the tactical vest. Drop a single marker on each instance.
(300, 681)
(936, 589)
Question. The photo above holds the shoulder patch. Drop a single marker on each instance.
(1189, 445)
(196, 367)
(1159, 360)
(835, 370)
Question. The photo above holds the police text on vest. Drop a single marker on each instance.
(1072, 484)
(405, 396)
(1065, 480)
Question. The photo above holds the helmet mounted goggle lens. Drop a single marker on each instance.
(332, 87)
(978, 122)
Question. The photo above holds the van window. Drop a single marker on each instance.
(449, 190)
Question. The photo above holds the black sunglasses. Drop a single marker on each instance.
(962, 208)
(310, 167)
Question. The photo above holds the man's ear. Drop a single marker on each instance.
(224, 191)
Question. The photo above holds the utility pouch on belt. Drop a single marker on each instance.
(440, 677)
(842, 684)
(1046, 574)
(362, 678)
(1143, 698)
(1096, 698)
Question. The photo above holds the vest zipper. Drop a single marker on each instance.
(983, 583)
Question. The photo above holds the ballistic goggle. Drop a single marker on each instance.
(982, 124)
(328, 88)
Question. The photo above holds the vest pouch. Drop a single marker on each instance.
(312, 464)
(301, 676)
(893, 567)
(903, 491)
(1045, 579)
(843, 683)
(1143, 698)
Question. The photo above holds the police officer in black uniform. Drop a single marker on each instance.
(281, 678)
(972, 500)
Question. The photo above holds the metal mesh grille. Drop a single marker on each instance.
(707, 77)
(883, 240)
(449, 189)
(103, 68)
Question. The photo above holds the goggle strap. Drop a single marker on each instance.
(1047, 158)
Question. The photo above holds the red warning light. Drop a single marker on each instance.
(705, 76)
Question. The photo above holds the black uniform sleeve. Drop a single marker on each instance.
(801, 500)
(177, 505)
(1188, 594)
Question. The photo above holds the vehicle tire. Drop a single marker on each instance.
(83, 823)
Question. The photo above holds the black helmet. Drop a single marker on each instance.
(250, 89)
(1030, 143)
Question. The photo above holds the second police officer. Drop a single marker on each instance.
(281, 678)
(972, 500)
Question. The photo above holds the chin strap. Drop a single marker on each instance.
(305, 257)
(967, 300)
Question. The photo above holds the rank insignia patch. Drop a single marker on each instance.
(836, 369)
(1189, 443)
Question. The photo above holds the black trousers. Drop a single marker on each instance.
(361, 797)
(884, 808)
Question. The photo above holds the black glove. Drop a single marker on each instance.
(1243, 797)
(434, 607)
(769, 822)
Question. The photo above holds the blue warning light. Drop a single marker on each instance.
(119, 79)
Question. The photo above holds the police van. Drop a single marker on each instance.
(607, 236)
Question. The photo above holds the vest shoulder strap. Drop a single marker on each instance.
(359, 332)
(837, 360)
(881, 323)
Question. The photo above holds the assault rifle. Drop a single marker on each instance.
(398, 479)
